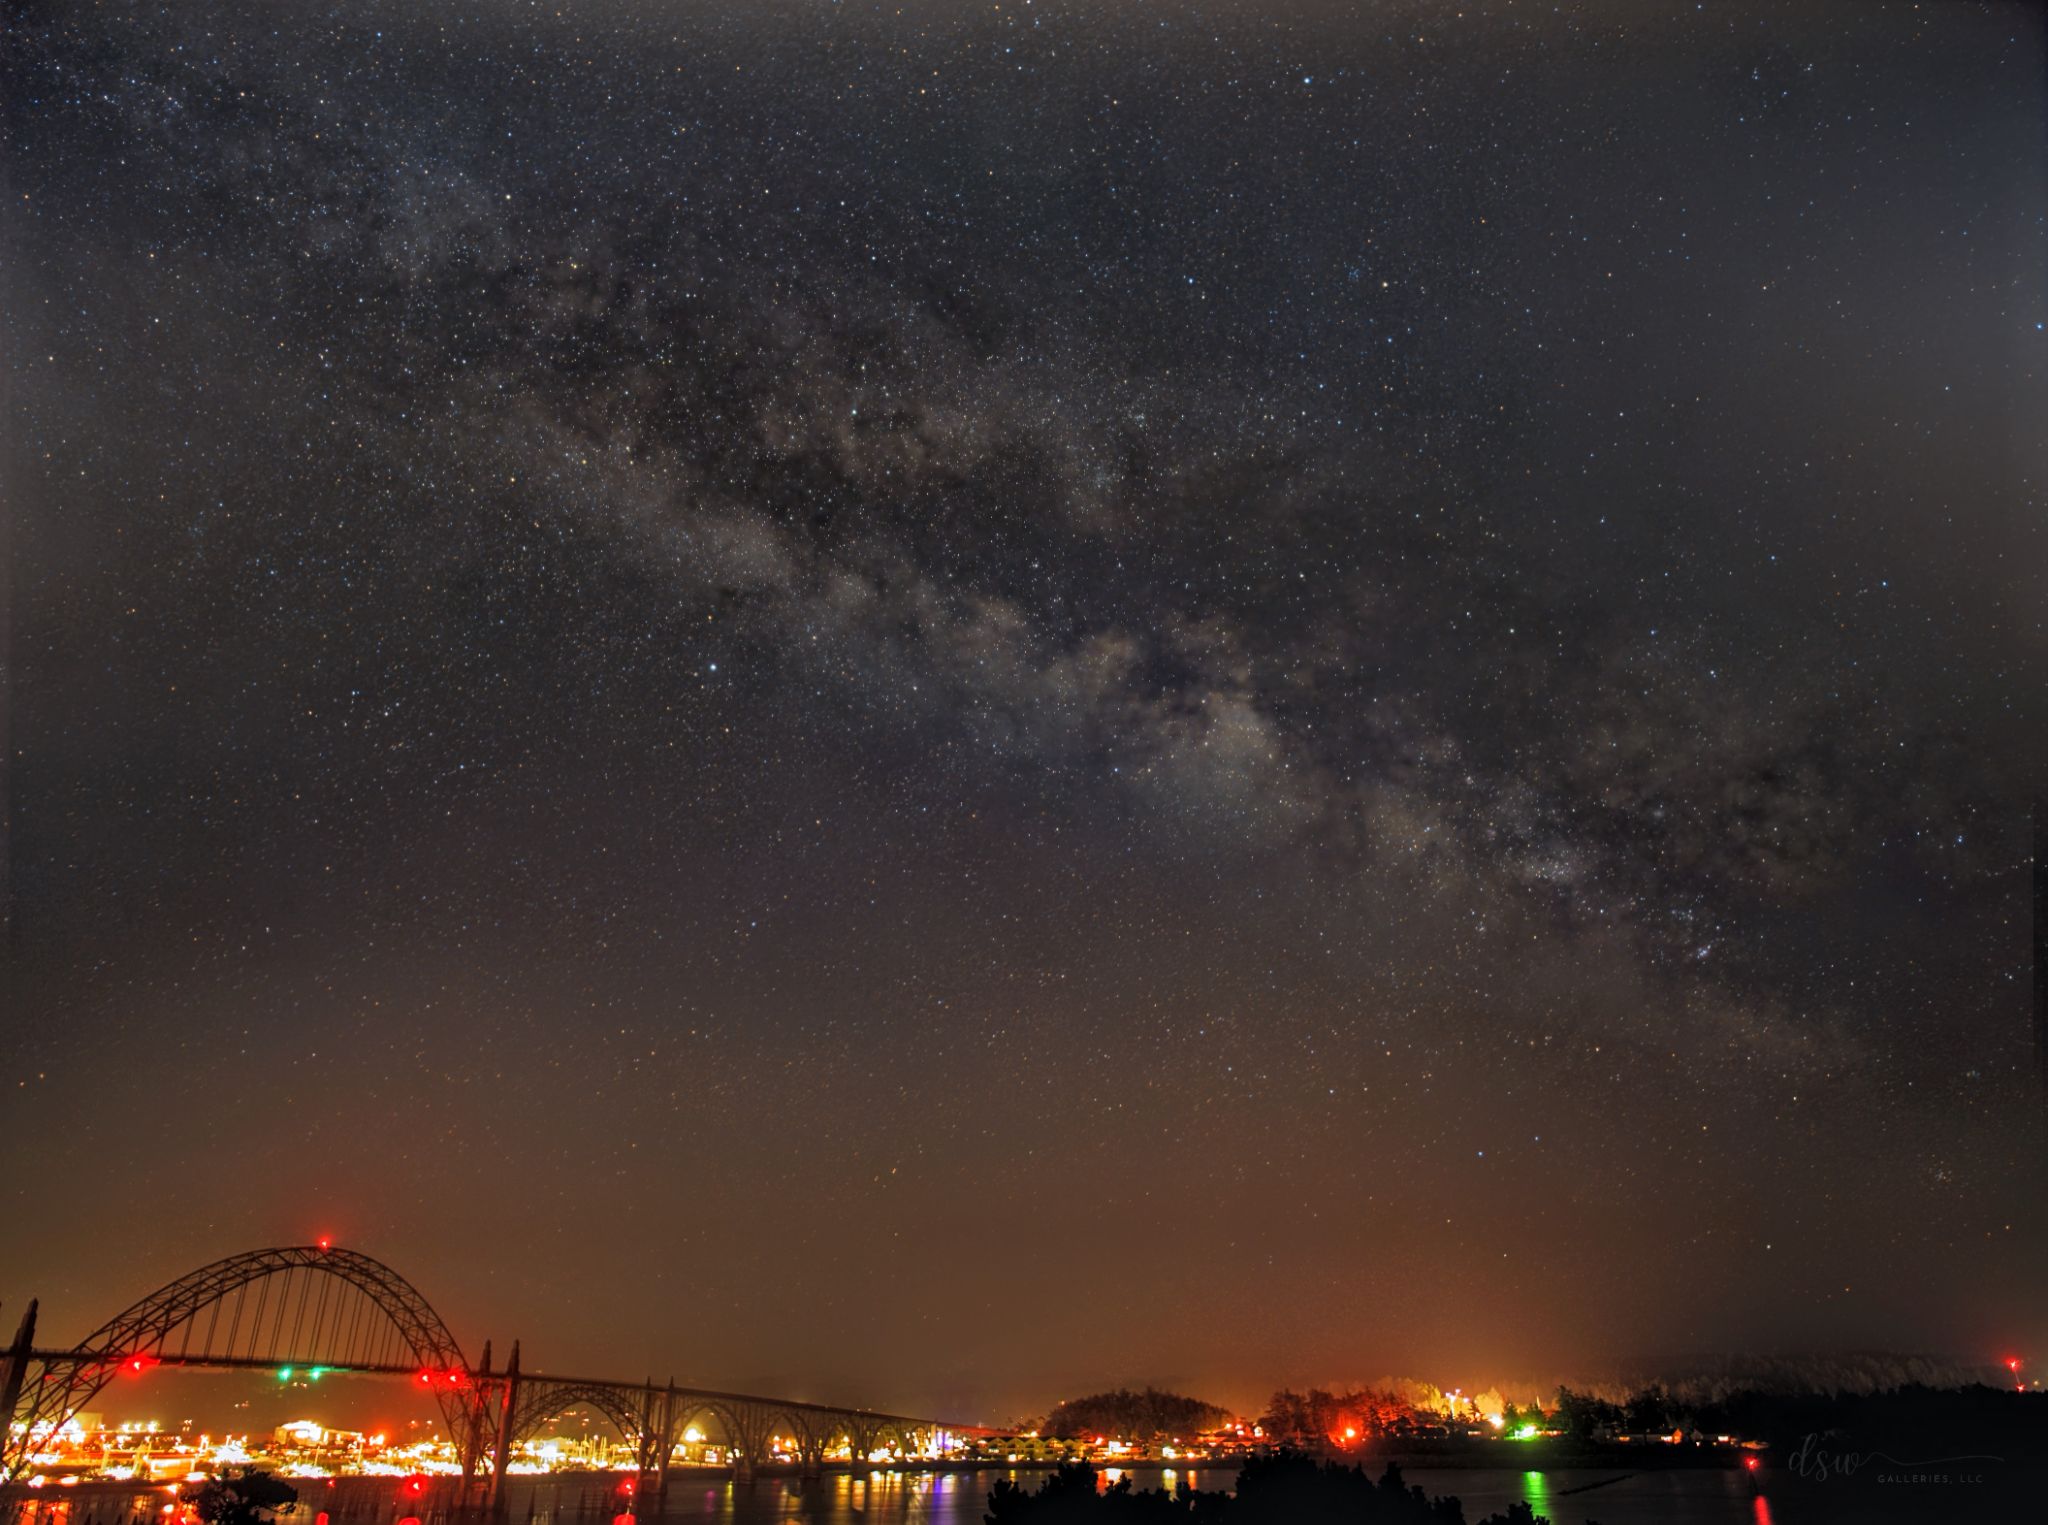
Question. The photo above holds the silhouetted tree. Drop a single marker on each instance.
(1288, 1421)
(1582, 1414)
(243, 1496)
(1647, 1410)
(1292, 1489)
(1314, 1420)
(1132, 1416)
(1286, 1488)
(1513, 1418)
(1071, 1496)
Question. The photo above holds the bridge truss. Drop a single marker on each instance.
(322, 1309)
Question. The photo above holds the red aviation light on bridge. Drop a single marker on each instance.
(325, 1241)
(135, 1366)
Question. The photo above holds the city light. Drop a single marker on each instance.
(136, 1451)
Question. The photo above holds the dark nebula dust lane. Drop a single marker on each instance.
(942, 702)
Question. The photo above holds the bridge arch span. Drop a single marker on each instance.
(317, 1307)
(311, 1306)
(541, 1400)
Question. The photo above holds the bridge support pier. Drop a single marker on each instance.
(501, 1452)
(667, 1450)
(17, 1371)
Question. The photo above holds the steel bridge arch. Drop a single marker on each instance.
(688, 1410)
(735, 1421)
(143, 1331)
(747, 1424)
(541, 1400)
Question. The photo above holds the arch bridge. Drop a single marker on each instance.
(324, 1309)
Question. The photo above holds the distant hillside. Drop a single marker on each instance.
(1708, 1378)
(1125, 1415)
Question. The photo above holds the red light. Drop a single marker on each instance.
(326, 1243)
(1751, 1464)
(426, 1379)
(136, 1365)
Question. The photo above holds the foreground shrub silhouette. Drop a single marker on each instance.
(243, 1496)
(1284, 1489)
(1070, 1497)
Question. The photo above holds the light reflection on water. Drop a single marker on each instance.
(1567, 1497)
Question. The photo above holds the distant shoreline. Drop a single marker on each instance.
(1519, 1456)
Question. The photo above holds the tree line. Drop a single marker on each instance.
(1283, 1488)
(1126, 1415)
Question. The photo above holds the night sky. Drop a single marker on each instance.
(940, 704)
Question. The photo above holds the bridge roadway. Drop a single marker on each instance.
(365, 1319)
